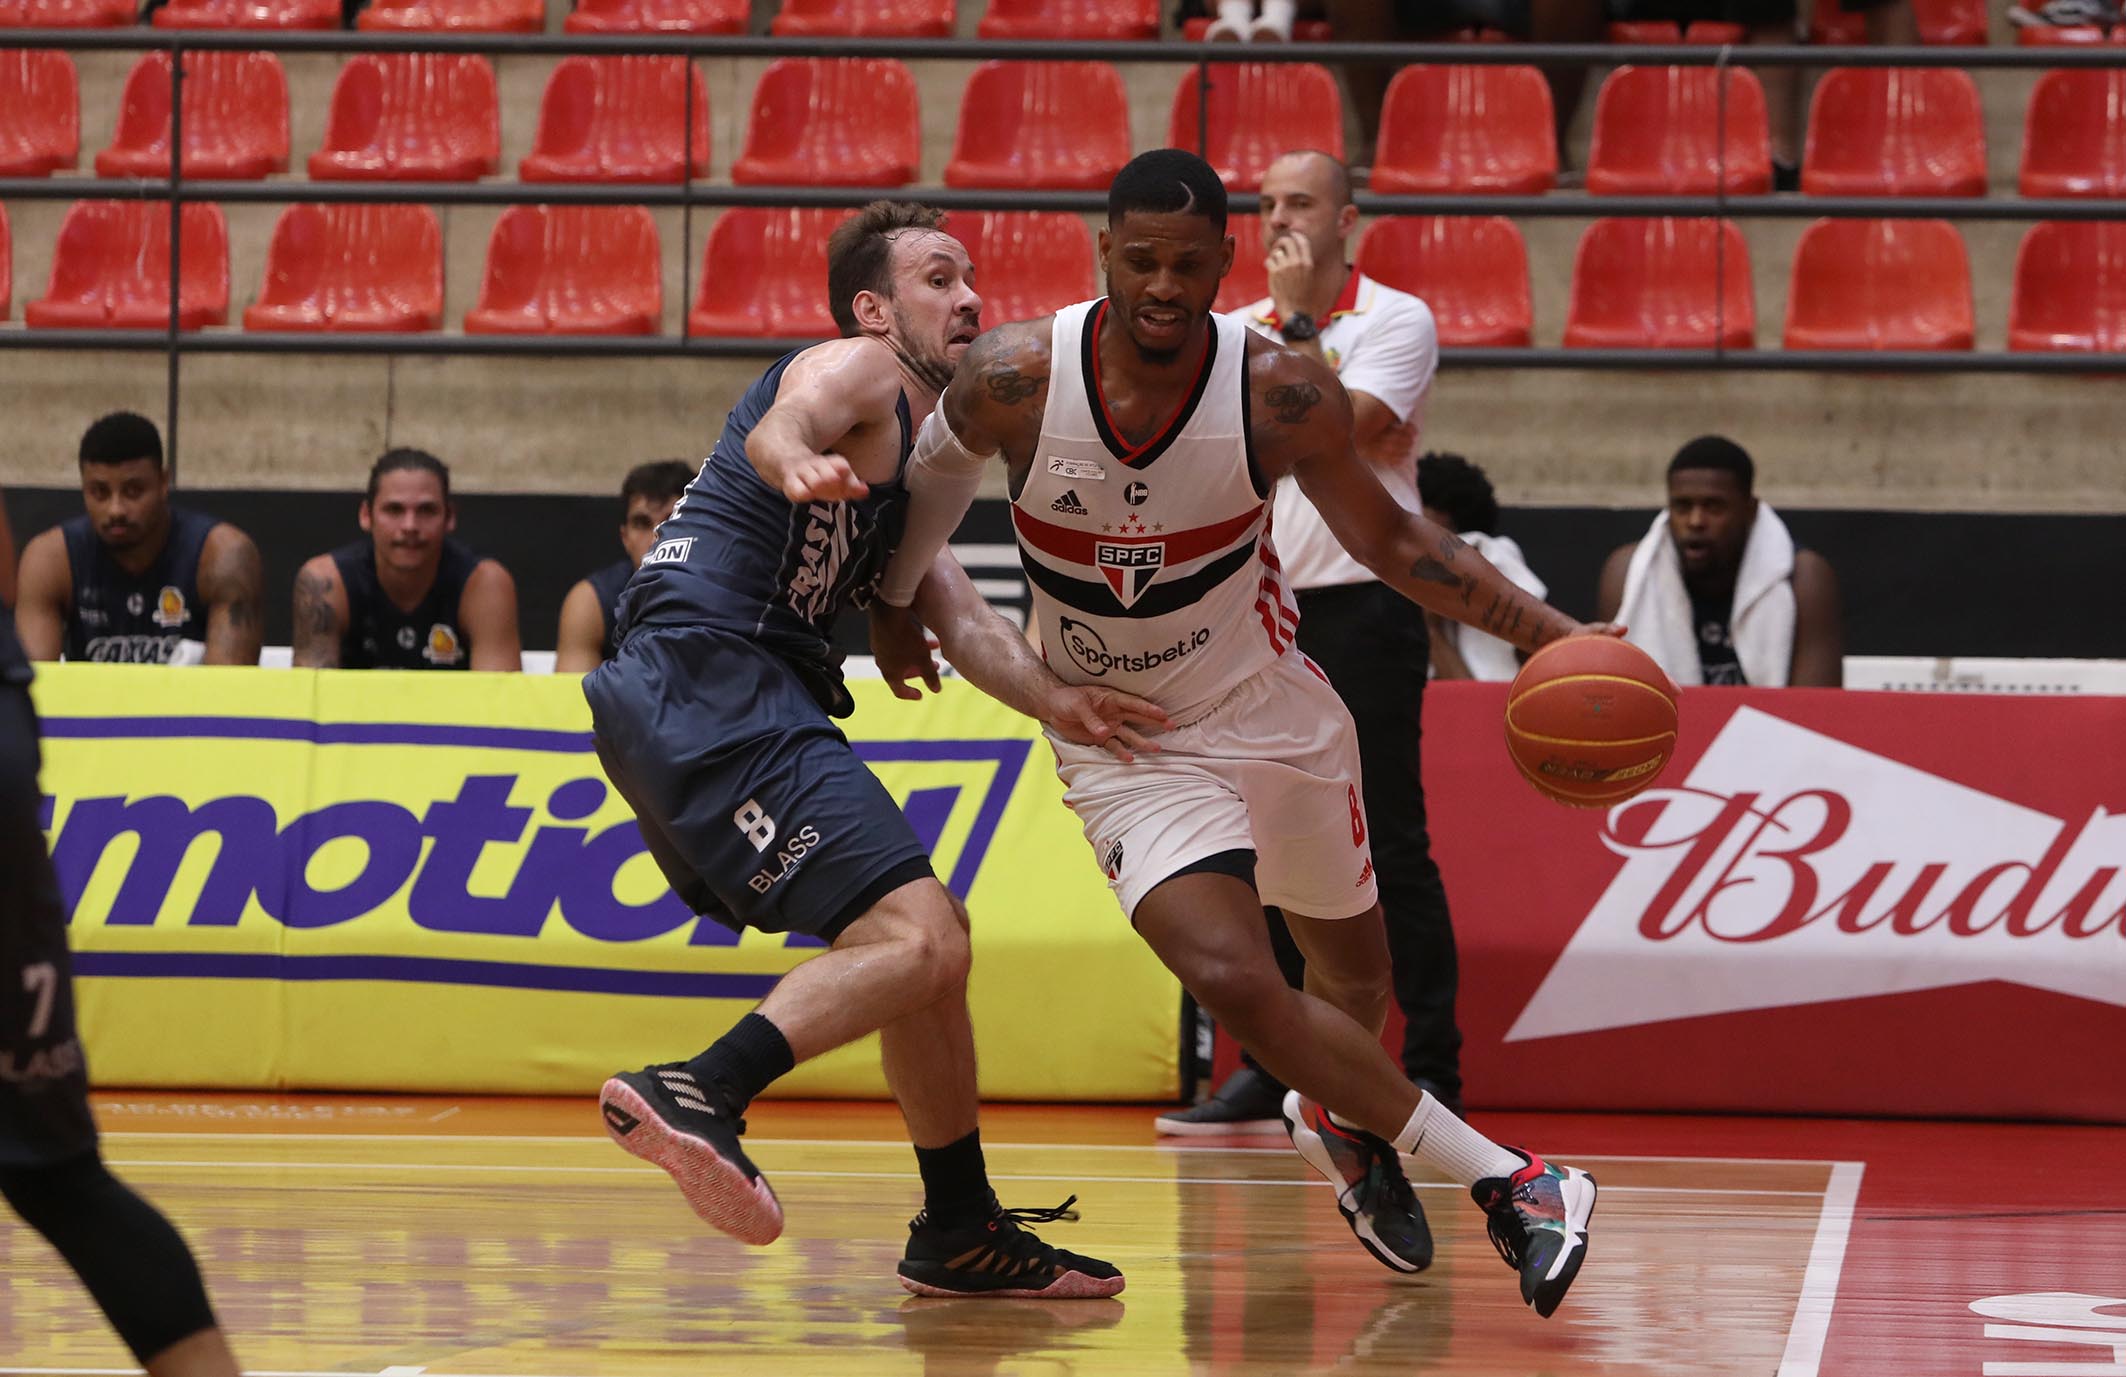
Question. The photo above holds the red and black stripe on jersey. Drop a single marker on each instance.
(1095, 597)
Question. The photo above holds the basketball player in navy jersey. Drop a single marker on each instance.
(1142, 437)
(585, 638)
(134, 1264)
(715, 722)
(134, 579)
(407, 595)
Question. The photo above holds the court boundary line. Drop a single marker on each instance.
(1813, 1309)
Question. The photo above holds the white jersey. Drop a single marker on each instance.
(1151, 565)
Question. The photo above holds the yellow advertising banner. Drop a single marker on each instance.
(422, 882)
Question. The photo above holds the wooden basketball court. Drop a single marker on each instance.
(499, 1238)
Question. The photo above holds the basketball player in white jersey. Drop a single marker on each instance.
(1142, 437)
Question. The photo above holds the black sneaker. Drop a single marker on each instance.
(998, 1258)
(1247, 1103)
(663, 1115)
(1372, 1194)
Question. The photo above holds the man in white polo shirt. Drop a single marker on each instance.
(1369, 639)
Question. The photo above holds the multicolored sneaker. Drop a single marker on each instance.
(1538, 1222)
(1372, 1193)
(663, 1115)
(998, 1258)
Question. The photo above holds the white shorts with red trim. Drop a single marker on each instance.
(1272, 768)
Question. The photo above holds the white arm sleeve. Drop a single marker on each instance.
(942, 477)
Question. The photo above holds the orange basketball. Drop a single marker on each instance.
(1591, 720)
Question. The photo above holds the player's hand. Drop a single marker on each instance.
(902, 648)
(1107, 718)
(1599, 629)
(822, 478)
(1290, 263)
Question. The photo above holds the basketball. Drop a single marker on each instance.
(1591, 720)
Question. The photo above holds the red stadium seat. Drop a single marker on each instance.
(1259, 110)
(1657, 133)
(40, 113)
(658, 16)
(350, 268)
(1062, 125)
(1951, 23)
(411, 117)
(1887, 131)
(1466, 129)
(1662, 284)
(236, 118)
(1249, 281)
(571, 270)
(249, 14)
(111, 269)
(7, 267)
(1193, 30)
(832, 122)
(454, 16)
(66, 14)
(1027, 263)
(1880, 284)
(1708, 32)
(1833, 25)
(1471, 270)
(863, 19)
(764, 272)
(2074, 142)
(1065, 19)
(2070, 288)
(619, 119)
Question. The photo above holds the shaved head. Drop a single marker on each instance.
(1335, 187)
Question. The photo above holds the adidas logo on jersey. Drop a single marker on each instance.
(1069, 505)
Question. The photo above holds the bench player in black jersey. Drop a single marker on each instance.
(407, 595)
(714, 721)
(133, 579)
(133, 1262)
(585, 638)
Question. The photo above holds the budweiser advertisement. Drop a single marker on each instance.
(1850, 903)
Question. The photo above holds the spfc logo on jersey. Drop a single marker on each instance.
(1129, 569)
(170, 607)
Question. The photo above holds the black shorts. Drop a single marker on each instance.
(749, 798)
(44, 1082)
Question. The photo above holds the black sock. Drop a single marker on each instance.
(956, 1182)
(744, 1061)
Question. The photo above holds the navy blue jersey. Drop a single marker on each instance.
(738, 556)
(135, 618)
(381, 636)
(14, 664)
(607, 585)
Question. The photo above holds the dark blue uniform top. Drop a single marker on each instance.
(14, 664)
(380, 636)
(606, 586)
(737, 555)
(135, 618)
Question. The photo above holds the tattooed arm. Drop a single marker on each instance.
(232, 584)
(1300, 422)
(320, 614)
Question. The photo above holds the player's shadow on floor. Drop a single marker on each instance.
(969, 1338)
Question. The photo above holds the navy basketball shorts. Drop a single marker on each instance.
(750, 799)
(44, 1083)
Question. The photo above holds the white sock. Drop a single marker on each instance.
(1434, 1135)
(1279, 14)
(1237, 14)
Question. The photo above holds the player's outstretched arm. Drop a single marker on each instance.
(232, 584)
(1301, 422)
(42, 591)
(828, 394)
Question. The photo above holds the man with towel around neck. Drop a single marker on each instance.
(1717, 592)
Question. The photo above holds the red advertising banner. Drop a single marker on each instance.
(1829, 903)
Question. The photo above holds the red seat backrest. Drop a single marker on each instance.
(620, 119)
(1890, 131)
(1041, 124)
(2074, 140)
(236, 117)
(764, 272)
(1257, 112)
(1880, 284)
(658, 16)
(423, 116)
(1027, 263)
(1249, 281)
(1471, 270)
(823, 121)
(864, 18)
(2070, 287)
(1466, 129)
(1066, 19)
(1662, 284)
(40, 112)
(1659, 131)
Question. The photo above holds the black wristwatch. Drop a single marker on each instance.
(1298, 328)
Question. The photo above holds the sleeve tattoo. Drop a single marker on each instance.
(314, 618)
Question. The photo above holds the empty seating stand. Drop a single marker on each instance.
(40, 113)
(763, 273)
(2070, 288)
(1258, 111)
(1066, 19)
(249, 14)
(1886, 131)
(412, 117)
(1466, 129)
(1029, 262)
(621, 119)
(832, 122)
(111, 269)
(1705, 32)
(352, 268)
(1662, 284)
(863, 19)
(1950, 23)
(1880, 284)
(1249, 281)
(236, 118)
(1023, 125)
(1659, 131)
(658, 16)
(1471, 270)
(453, 16)
(66, 14)
(571, 270)
(2074, 141)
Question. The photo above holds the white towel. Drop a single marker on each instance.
(1657, 606)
